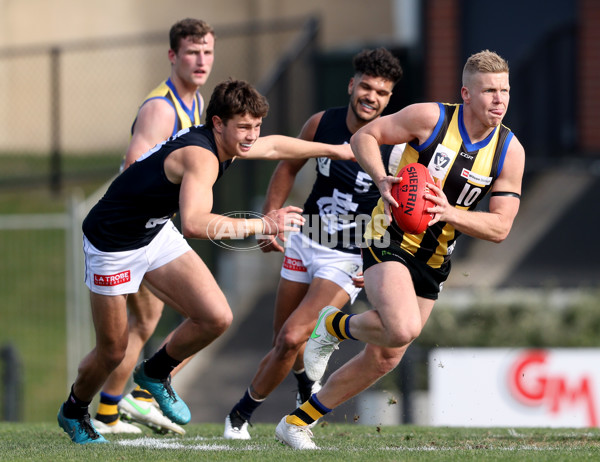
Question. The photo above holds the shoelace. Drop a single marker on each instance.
(307, 430)
(167, 384)
(327, 349)
(87, 427)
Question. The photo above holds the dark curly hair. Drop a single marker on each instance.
(233, 97)
(378, 62)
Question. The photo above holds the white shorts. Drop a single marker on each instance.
(117, 273)
(305, 259)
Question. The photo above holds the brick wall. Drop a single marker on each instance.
(588, 97)
(442, 42)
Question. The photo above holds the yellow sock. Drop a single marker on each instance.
(107, 413)
(141, 394)
(337, 324)
(311, 411)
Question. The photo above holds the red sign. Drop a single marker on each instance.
(532, 383)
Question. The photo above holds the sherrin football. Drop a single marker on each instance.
(411, 214)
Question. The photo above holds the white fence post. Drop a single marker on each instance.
(78, 305)
(78, 312)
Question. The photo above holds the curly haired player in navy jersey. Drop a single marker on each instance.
(129, 237)
(322, 264)
(174, 104)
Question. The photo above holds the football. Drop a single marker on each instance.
(411, 214)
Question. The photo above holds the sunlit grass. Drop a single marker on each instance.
(347, 442)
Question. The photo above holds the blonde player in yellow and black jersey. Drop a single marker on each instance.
(468, 152)
(466, 172)
(175, 104)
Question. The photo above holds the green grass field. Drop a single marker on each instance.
(32, 319)
(347, 442)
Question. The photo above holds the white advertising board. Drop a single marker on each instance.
(497, 387)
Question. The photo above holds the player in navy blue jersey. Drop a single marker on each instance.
(174, 104)
(129, 237)
(322, 265)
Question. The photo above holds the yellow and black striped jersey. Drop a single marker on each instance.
(466, 170)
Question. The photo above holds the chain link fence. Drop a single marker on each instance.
(80, 99)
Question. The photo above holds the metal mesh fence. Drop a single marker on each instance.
(81, 98)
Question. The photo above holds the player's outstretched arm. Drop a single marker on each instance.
(279, 147)
(282, 182)
(196, 169)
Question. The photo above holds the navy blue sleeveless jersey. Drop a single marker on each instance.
(141, 200)
(343, 195)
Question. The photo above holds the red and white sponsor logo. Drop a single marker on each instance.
(112, 279)
(475, 178)
(293, 264)
(504, 387)
(533, 382)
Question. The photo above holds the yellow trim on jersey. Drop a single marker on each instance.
(441, 251)
(162, 91)
(408, 157)
(374, 256)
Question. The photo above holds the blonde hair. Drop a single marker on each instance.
(485, 61)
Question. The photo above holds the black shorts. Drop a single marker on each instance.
(428, 281)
